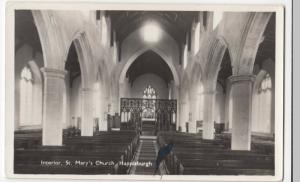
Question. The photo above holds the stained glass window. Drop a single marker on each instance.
(26, 90)
(149, 105)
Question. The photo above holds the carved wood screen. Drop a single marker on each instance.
(165, 116)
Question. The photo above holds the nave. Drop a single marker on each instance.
(101, 91)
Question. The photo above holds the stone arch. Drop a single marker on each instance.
(50, 38)
(85, 58)
(157, 51)
(251, 38)
(215, 56)
(88, 79)
(76, 35)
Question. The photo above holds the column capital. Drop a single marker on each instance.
(51, 72)
(241, 78)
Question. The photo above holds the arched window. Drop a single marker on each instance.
(26, 90)
(266, 84)
(149, 105)
(149, 93)
(264, 102)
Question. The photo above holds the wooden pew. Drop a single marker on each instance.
(193, 155)
(114, 146)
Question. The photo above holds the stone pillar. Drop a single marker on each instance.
(122, 92)
(53, 106)
(199, 112)
(241, 96)
(87, 122)
(227, 105)
(194, 111)
(103, 114)
(67, 104)
(208, 115)
(178, 121)
(172, 87)
(184, 115)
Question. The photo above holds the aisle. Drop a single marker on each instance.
(146, 153)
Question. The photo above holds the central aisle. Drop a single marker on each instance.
(146, 153)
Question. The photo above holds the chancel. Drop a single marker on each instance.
(97, 89)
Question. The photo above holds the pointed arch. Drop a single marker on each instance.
(50, 38)
(215, 56)
(251, 39)
(85, 59)
(157, 51)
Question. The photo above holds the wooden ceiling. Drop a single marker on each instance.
(176, 23)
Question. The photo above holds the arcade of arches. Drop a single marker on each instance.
(72, 68)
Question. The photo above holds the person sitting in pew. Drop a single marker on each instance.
(163, 153)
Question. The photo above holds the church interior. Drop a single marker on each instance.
(99, 90)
